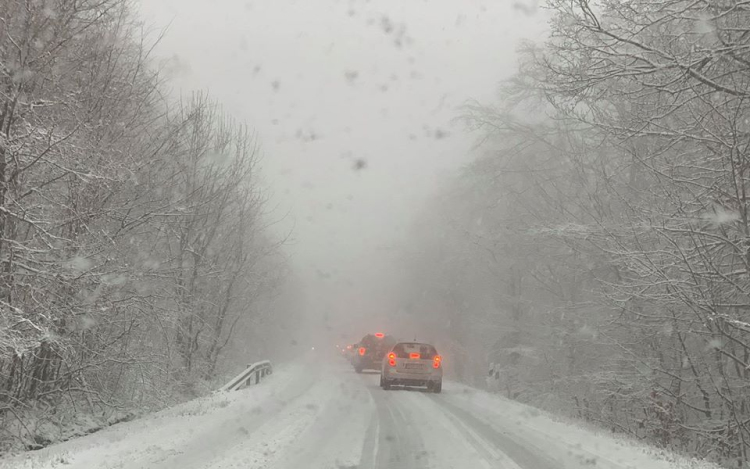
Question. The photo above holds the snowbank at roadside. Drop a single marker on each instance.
(163, 432)
(568, 438)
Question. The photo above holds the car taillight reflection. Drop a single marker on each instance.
(362, 350)
(436, 361)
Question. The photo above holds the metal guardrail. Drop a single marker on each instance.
(251, 375)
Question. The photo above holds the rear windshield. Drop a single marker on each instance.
(371, 341)
(425, 351)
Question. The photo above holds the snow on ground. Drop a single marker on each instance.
(569, 442)
(170, 432)
(313, 414)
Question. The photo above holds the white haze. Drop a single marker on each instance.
(202, 201)
(354, 104)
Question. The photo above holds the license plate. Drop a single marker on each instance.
(412, 366)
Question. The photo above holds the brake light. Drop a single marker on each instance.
(392, 359)
(414, 356)
(436, 361)
(362, 350)
(379, 335)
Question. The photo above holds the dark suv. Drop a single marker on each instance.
(369, 352)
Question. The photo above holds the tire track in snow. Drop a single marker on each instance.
(399, 443)
(494, 442)
(519, 425)
(454, 443)
(334, 440)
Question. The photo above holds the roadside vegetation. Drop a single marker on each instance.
(597, 252)
(133, 241)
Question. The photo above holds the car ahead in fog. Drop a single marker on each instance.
(348, 352)
(369, 352)
(412, 364)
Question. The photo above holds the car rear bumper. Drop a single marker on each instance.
(367, 363)
(412, 379)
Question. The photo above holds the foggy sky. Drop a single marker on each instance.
(332, 84)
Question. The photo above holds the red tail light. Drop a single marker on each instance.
(414, 356)
(436, 361)
(362, 350)
(379, 335)
(392, 359)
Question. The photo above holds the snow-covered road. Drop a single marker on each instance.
(316, 414)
